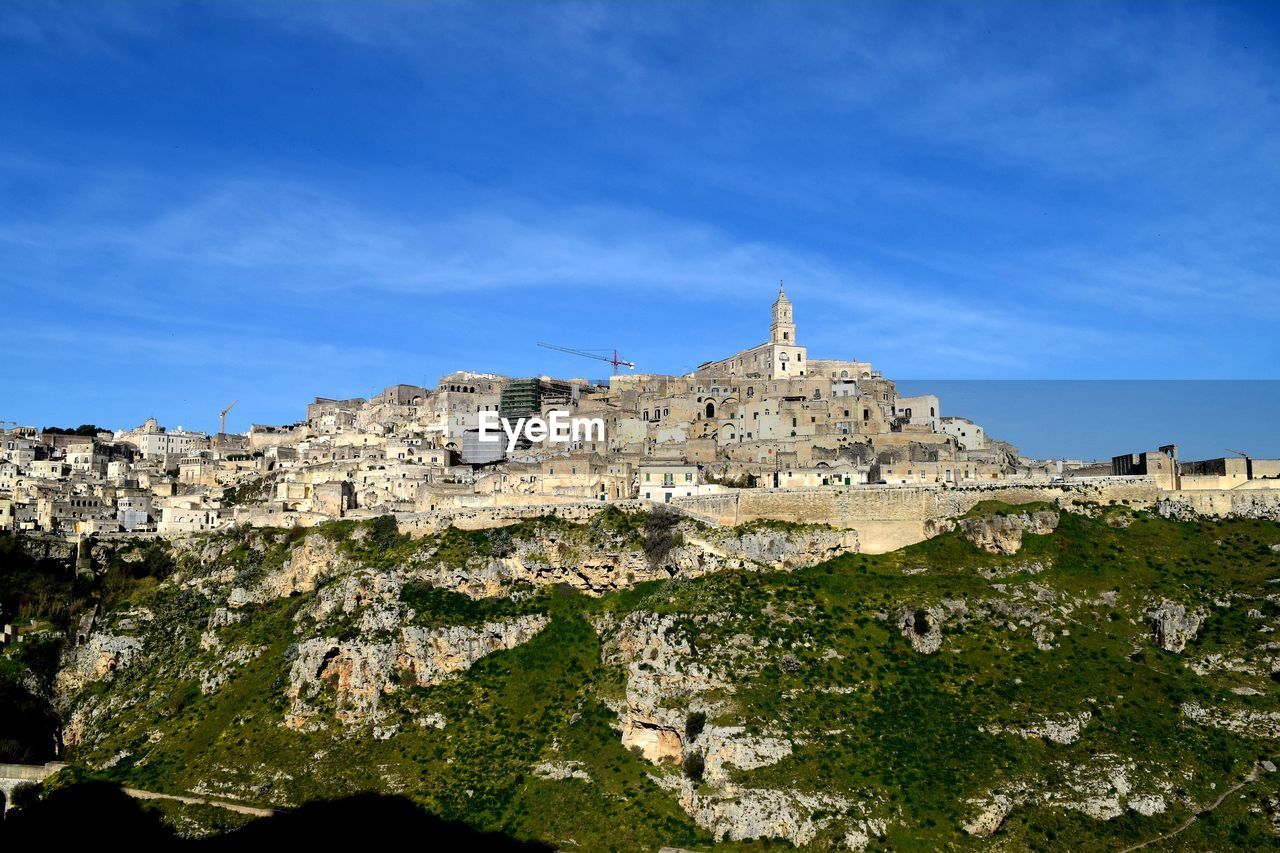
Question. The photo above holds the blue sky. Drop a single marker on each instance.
(202, 202)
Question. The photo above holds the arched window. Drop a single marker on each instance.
(711, 409)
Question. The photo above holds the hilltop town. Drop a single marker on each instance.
(775, 603)
(769, 420)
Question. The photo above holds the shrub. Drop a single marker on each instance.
(384, 533)
(661, 536)
(695, 766)
(694, 724)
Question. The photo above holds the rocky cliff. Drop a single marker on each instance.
(1086, 680)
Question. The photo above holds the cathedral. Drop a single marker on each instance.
(778, 358)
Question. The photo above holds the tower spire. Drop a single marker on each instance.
(783, 330)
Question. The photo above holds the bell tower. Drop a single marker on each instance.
(783, 329)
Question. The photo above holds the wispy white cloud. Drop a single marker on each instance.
(245, 240)
(967, 188)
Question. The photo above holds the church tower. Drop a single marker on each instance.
(783, 330)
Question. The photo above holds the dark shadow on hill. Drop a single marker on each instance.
(88, 813)
(96, 812)
(357, 820)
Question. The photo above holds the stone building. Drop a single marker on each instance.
(778, 358)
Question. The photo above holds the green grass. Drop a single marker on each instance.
(869, 717)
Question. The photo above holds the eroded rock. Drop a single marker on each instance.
(1173, 625)
(1002, 534)
(360, 672)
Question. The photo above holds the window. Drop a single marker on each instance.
(688, 478)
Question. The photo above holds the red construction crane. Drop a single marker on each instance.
(614, 360)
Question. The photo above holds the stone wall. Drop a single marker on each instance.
(1221, 503)
(889, 518)
(479, 518)
(14, 776)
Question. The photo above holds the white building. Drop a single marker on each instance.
(921, 410)
(968, 435)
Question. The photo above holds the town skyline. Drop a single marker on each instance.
(1047, 419)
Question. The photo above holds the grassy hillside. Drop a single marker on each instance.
(817, 657)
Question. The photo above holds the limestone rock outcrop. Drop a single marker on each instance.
(313, 561)
(96, 659)
(1173, 625)
(784, 549)
(1061, 728)
(736, 813)
(1002, 534)
(660, 664)
(360, 671)
(547, 557)
(988, 820)
(922, 626)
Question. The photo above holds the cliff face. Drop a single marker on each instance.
(546, 554)
(633, 684)
(997, 534)
(354, 674)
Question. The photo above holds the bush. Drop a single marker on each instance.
(384, 533)
(695, 766)
(25, 795)
(661, 536)
(694, 724)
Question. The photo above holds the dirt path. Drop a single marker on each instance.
(139, 794)
(1251, 777)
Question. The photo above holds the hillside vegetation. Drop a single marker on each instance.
(1096, 689)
